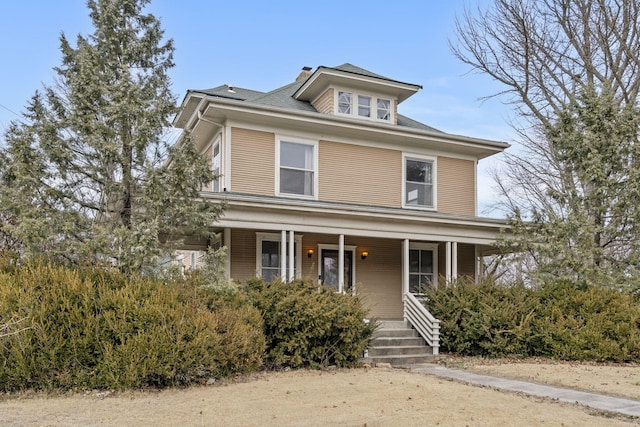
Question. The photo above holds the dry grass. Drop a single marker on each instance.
(358, 397)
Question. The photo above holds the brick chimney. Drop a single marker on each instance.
(306, 72)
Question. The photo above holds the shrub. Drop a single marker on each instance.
(557, 320)
(98, 329)
(311, 326)
(483, 319)
(596, 323)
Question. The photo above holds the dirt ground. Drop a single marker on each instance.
(357, 397)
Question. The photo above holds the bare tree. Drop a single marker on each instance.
(571, 69)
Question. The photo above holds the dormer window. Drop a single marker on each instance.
(368, 106)
(384, 109)
(364, 106)
(344, 102)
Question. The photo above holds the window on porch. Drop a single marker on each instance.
(422, 267)
(268, 256)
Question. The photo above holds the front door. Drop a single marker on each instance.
(329, 269)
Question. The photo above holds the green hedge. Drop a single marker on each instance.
(68, 329)
(558, 320)
(311, 326)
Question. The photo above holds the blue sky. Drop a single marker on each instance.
(262, 45)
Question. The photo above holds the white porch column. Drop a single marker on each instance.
(226, 238)
(478, 266)
(341, 264)
(454, 260)
(292, 253)
(283, 255)
(447, 258)
(405, 267)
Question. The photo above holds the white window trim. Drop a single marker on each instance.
(347, 248)
(297, 140)
(373, 112)
(420, 157)
(274, 237)
(433, 247)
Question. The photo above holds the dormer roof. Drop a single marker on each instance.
(352, 77)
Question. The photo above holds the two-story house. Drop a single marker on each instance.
(324, 179)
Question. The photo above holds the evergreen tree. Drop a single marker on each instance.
(588, 231)
(89, 174)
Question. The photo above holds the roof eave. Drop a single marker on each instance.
(491, 147)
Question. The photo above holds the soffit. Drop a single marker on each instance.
(217, 112)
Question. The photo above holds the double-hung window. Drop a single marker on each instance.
(364, 106)
(297, 168)
(268, 256)
(419, 180)
(216, 166)
(422, 267)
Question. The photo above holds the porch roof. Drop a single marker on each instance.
(311, 216)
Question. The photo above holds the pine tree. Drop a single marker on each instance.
(89, 173)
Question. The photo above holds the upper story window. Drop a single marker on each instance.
(364, 106)
(419, 180)
(344, 102)
(297, 166)
(368, 106)
(384, 109)
(216, 166)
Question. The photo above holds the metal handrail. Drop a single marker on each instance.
(419, 317)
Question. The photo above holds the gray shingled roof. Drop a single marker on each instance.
(350, 68)
(414, 124)
(282, 97)
(223, 91)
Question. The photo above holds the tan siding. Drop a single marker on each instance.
(357, 174)
(378, 278)
(395, 111)
(456, 186)
(324, 103)
(243, 254)
(252, 162)
(466, 260)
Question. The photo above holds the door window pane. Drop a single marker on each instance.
(329, 273)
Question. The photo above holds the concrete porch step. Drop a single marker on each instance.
(395, 342)
(399, 360)
(405, 350)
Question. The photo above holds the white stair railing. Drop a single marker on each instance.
(422, 321)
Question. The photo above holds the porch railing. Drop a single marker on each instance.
(419, 317)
